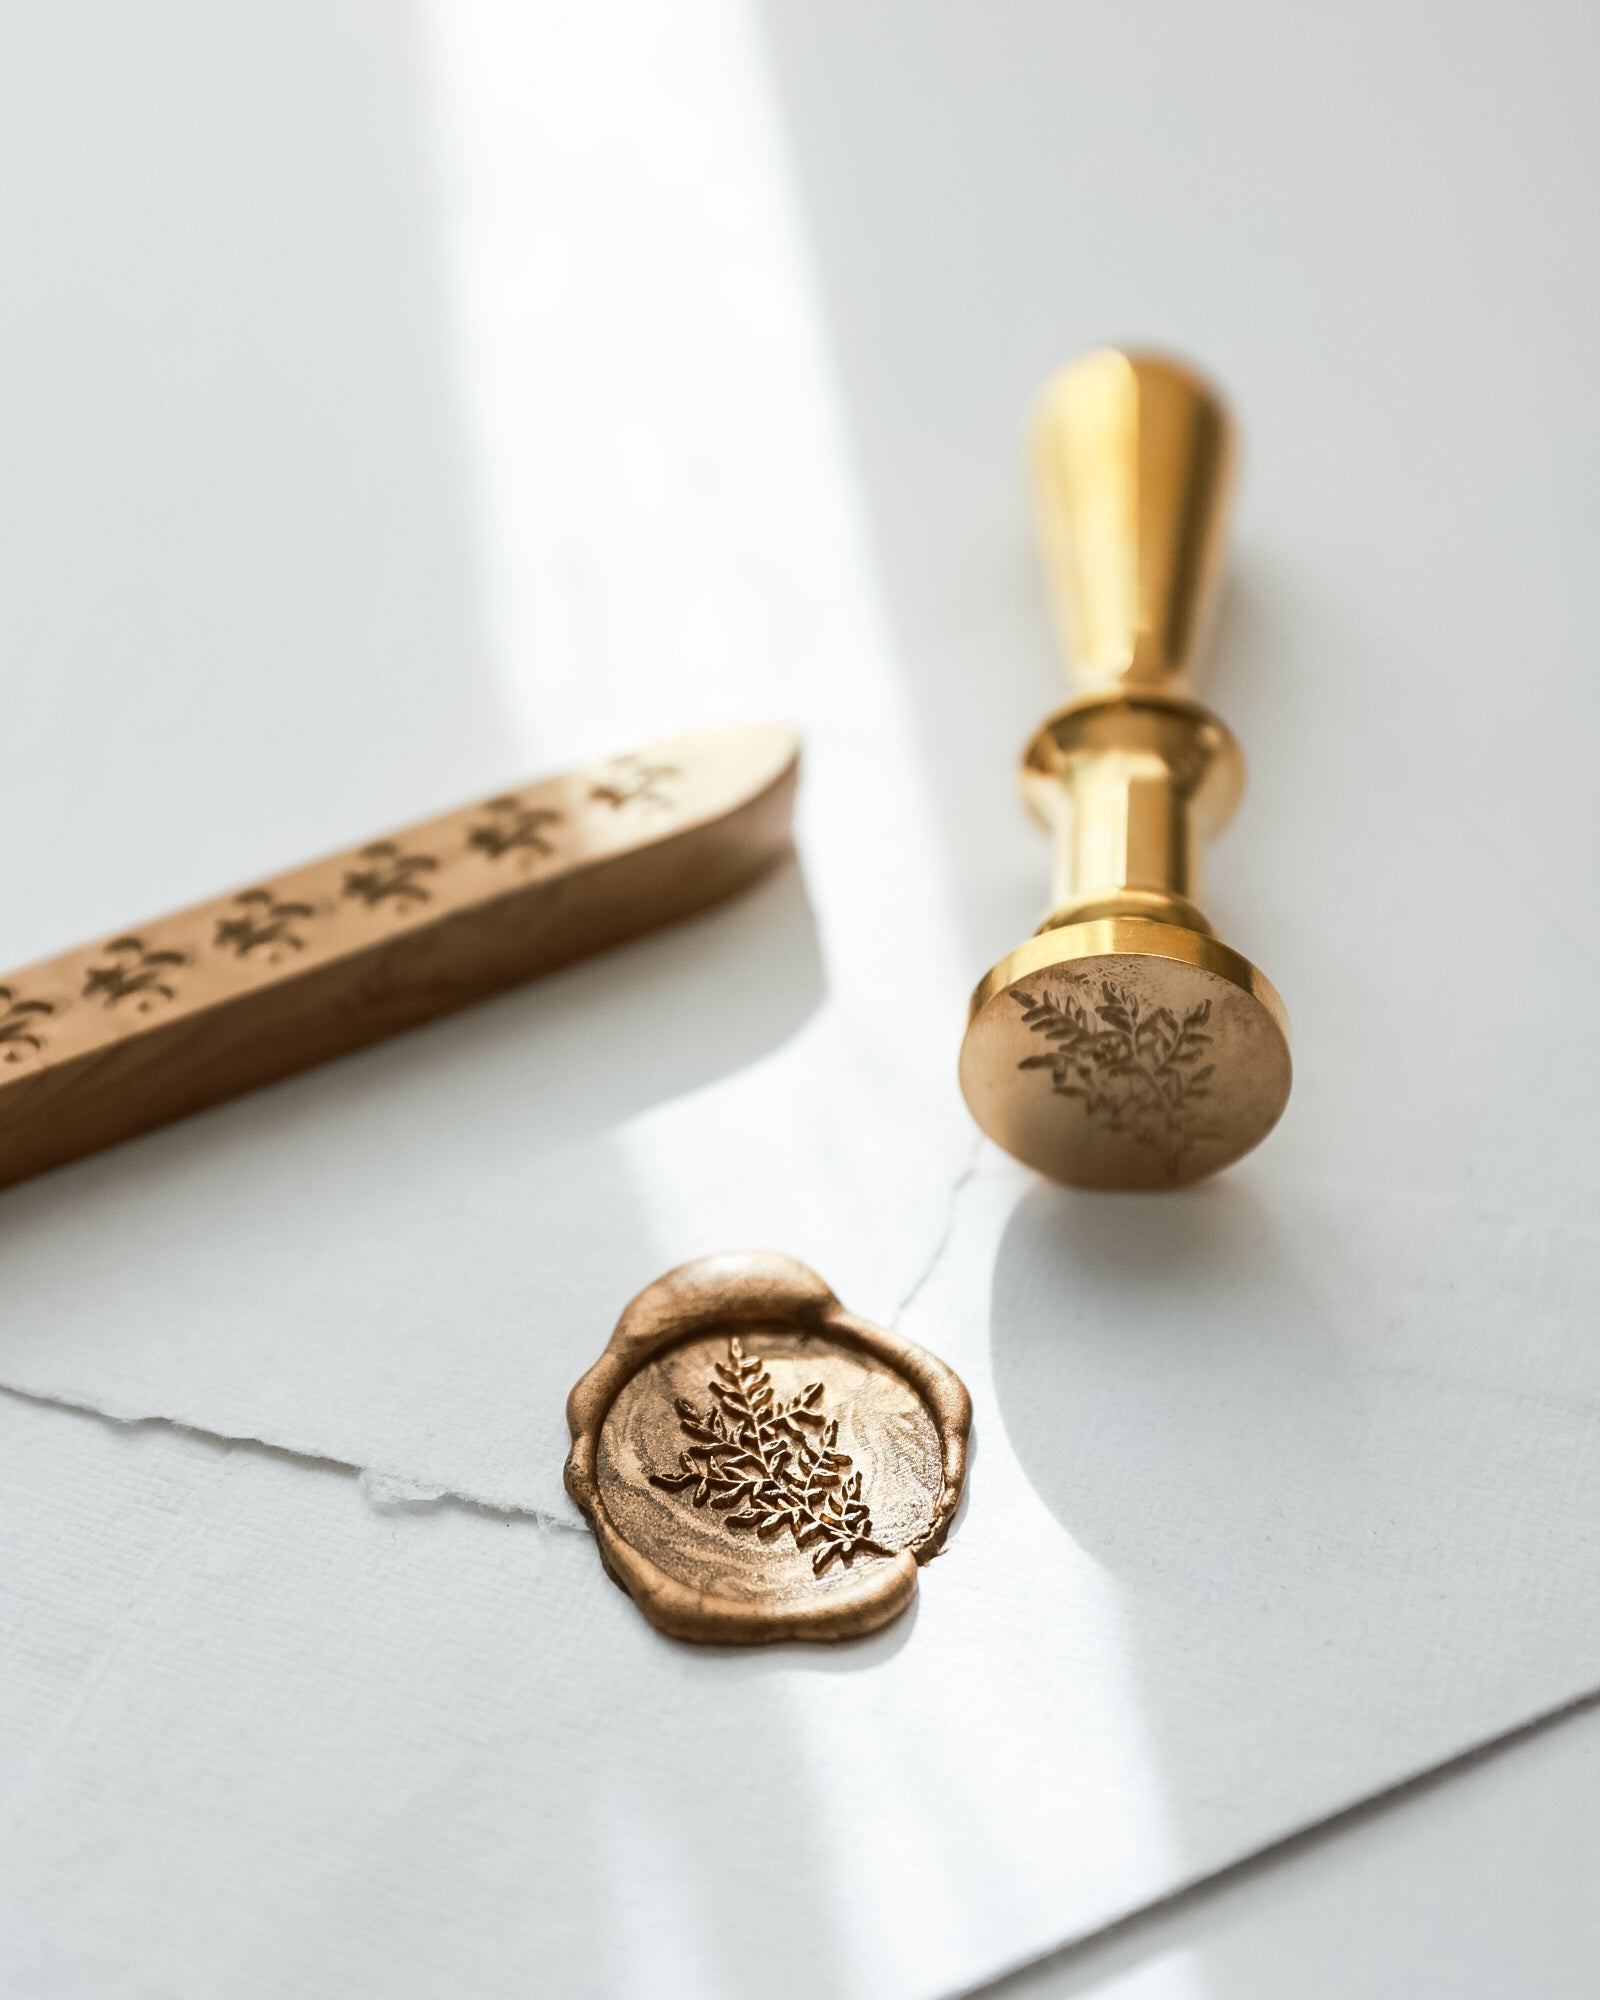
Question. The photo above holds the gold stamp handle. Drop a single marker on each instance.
(1133, 464)
(1133, 776)
(1124, 1045)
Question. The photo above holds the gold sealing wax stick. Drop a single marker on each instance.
(190, 1009)
(1124, 1045)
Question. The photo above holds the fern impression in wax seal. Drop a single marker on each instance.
(759, 1464)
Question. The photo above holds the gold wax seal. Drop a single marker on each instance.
(759, 1464)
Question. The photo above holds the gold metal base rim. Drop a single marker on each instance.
(1104, 937)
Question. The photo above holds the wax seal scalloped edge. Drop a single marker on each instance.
(732, 1290)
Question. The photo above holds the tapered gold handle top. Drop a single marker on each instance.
(1133, 463)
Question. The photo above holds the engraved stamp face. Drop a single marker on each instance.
(1125, 1054)
(778, 1471)
(1138, 1069)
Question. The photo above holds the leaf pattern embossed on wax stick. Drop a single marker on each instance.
(772, 1466)
(1136, 1071)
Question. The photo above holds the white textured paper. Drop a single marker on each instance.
(578, 374)
(278, 1740)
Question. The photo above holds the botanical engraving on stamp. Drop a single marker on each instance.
(771, 1465)
(135, 973)
(390, 876)
(20, 1023)
(634, 781)
(264, 923)
(1140, 1072)
(513, 825)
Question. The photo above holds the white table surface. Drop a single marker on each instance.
(395, 402)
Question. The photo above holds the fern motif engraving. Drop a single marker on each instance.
(770, 1465)
(1136, 1071)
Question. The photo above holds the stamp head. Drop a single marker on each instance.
(1126, 1053)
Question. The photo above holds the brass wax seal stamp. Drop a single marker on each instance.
(759, 1464)
(1124, 1045)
